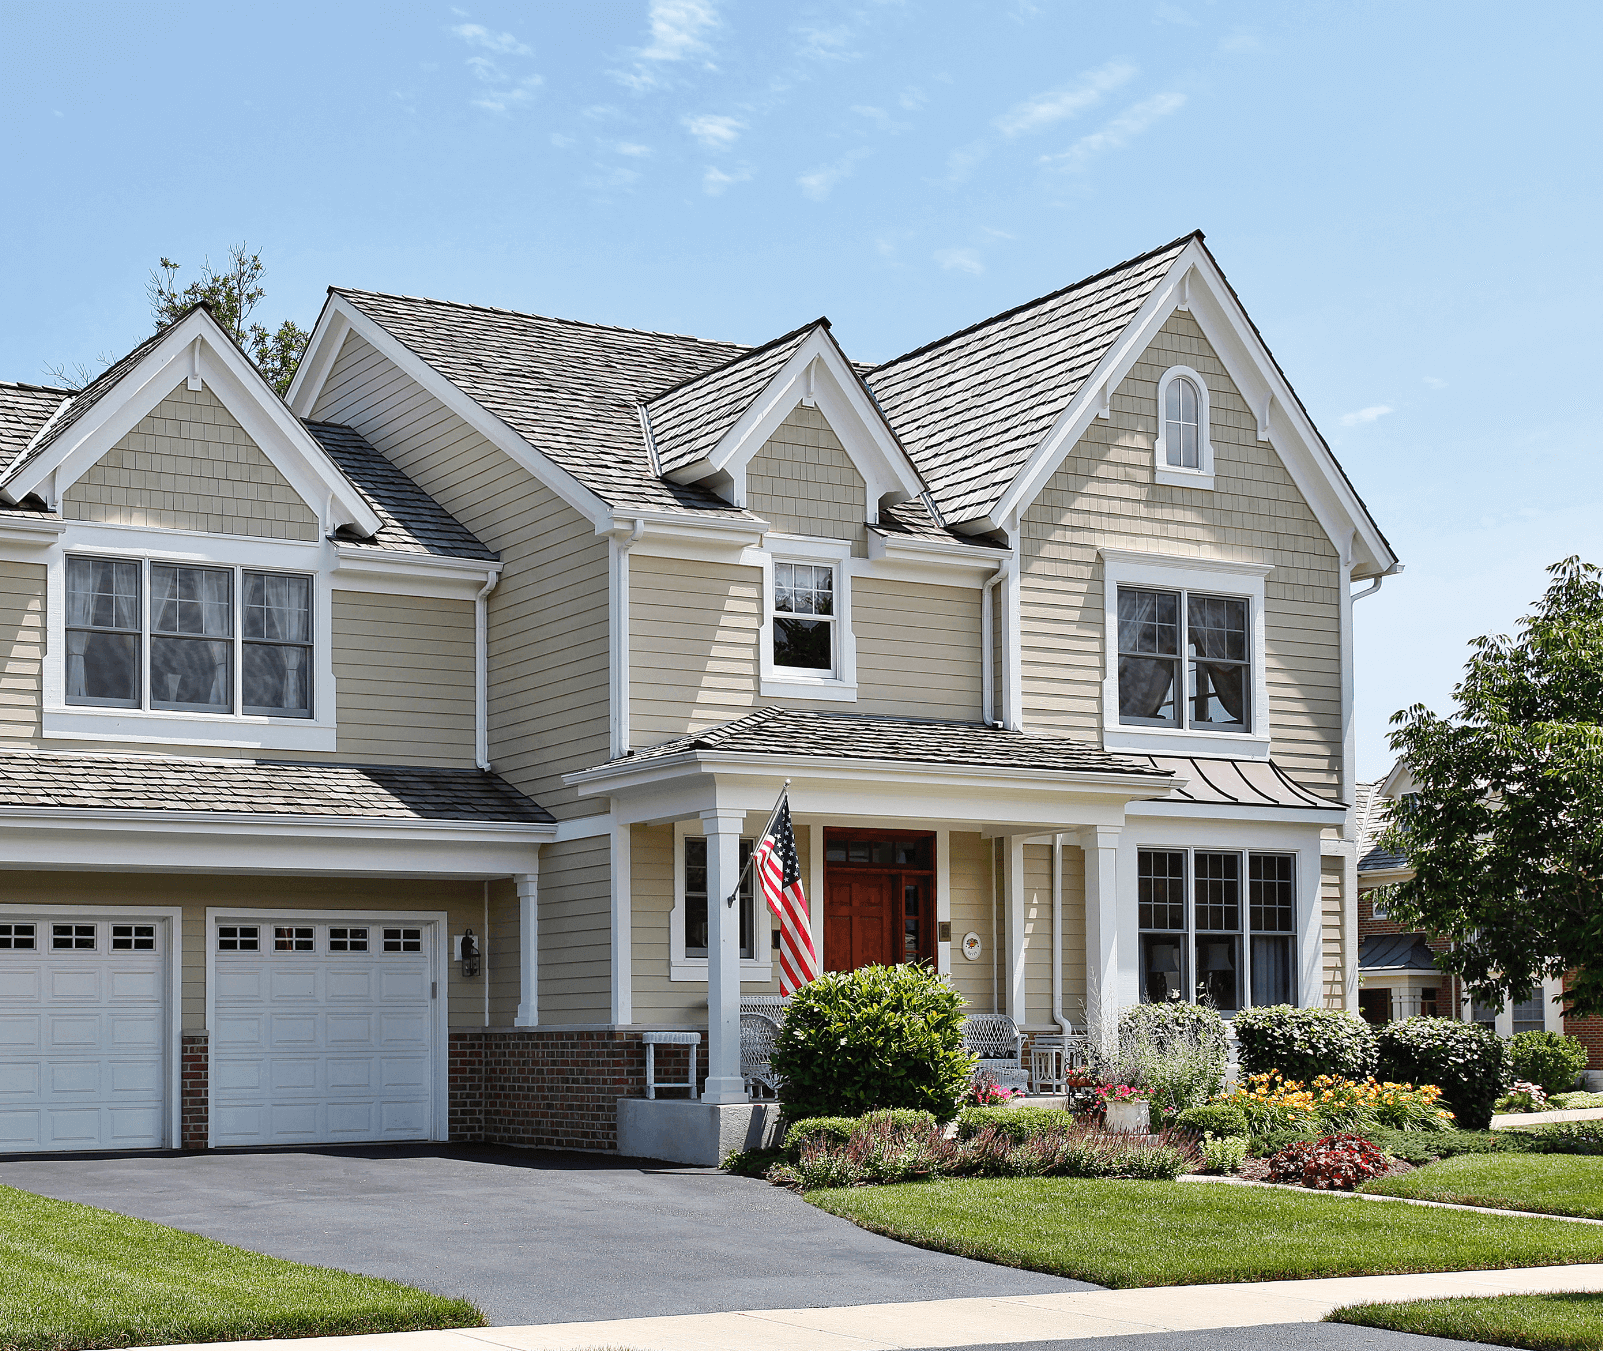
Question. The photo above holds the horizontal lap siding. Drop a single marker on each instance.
(575, 931)
(971, 912)
(22, 641)
(803, 483)
(1037, 1009)
(918, 649)
(547, 616)
(404, 669)
(1104, 496)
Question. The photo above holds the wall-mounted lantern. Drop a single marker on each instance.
(467, 952)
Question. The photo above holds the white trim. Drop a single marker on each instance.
(1177, 475)
(1122, 567)
(943, 898)
(197, 345)
(404, 574)
(620, 690)
(904, 558)
(583, 827)
(173, 998)
(622, 926)
(527, 884)
(1017, 941)
(439, 973)
(757, 969)
(787, 682)
(481, 675)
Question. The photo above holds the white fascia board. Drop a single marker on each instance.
(322, 349)
(817, 370)
(1195, 282)
(915, 559)
(197, 346)
(487, 424)
(676, 535)
(24, 534)
(1221, 811)
(1399, 780)
(403, 574)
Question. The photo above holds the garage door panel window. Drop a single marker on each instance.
(403, 940)
(72, 937)
(347, 940)
(292, 939)
(133, 937)
(239, 938)
(18, 937)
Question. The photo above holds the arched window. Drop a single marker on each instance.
(1184, 452)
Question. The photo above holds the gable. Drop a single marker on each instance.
(189, 465)
(802, 482)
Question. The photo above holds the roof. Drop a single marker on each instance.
(1373, 812)
(690, 419)
(916, 518)
(412, 521)
(99, 783)
(23, 410)
(571, 390)
(1243, 783)
(971, 407)
(857, 736)
(1396, 952)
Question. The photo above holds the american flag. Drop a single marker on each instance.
(779, 875)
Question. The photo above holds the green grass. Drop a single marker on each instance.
(1187, 1233)
(1554, 1184)
(1570, 1102)
(73, 1276)
(1566, 1322)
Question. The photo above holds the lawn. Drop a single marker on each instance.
(1555, 1184)
(1188, 1233)
(74, 1276)
(1544, 1322)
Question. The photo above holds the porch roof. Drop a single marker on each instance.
(857, 736)
(1218, 781)
(1396, 952)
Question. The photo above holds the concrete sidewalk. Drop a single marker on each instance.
(1005, 1321)
(1504, 1120)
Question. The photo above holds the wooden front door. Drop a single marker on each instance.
(879, 898)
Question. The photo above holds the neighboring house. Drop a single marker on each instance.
(519, 625)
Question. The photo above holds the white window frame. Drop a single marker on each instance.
(83, 722)
(758, 969)
(1239, 581)
(1174, 475)
(789, 682)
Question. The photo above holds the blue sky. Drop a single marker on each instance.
(1405, 196)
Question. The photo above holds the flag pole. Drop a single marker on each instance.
(741, 880)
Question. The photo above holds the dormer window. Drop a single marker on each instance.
(1184, 452)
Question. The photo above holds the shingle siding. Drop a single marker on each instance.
(803, 483)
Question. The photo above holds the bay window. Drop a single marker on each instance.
(212, 639)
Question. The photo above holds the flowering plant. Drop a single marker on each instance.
(1107, 1093)
(1271, 1103)
(1337, 1162)
(1523, 1097)
(984, 1091)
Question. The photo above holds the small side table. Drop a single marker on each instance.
(1048, 1065)
(656, 1039)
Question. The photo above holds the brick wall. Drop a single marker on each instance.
(194, 1113)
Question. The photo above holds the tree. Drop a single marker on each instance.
(232, 295)
(1504, 832)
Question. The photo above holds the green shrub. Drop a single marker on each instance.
(1546, 1058)
(901, 1118)
(834, 1129)
(1469, 1063)
(1420, 1147)
(752, 1162)
(1266, 1144)
(1015, 1123)
(1222, 1153)
(1563, 1137)
(880, 1036)
(1302, 1044)
(1178, 1051)
(1222, 1119)
(1574, 1102)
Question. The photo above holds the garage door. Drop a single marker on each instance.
(322, 1032)
(83, 1033)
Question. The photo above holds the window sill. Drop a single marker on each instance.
(1184, 741)
(776, 686)
(1184, 478)
(695, 969)
(188, 729)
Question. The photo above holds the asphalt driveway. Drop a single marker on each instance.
(529, 1236)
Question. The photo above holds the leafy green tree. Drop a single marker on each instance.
(1504, 832)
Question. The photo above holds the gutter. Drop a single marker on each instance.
(988, 643)
(481, 674)
(620, 540)
(1057, 938)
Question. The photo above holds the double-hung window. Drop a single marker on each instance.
(1191, 911)
(696, 899)
(1185, 660)
(210, 639)
(804, 618)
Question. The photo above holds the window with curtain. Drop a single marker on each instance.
(1182, 431)
(1217, 890)
(181, 651)
(696, 899)
(1161, 903)
(1272, 901)
(1167, 636)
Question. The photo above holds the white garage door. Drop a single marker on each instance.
(83, 1033)
(322, 1032)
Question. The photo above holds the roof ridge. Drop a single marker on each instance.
(735, 360)
(1039, 300)
(529, 314)
(37, 389)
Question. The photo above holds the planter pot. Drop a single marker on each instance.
(1132, 1117)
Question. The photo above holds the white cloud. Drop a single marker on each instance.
(960, 260)
(1371, 414)
(821, 182)
(1045, 109)
(962, 161)
(827, 44)
(611, 179)
(1435, 382)
(563, 142)
(1241, 44)
(677, 34)
(715, 181)
(629, 148)
(1118, 132)
(505, 99)
(1174, 14)
(714, 132)
(477, 35)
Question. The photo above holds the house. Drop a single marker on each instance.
(371, 763)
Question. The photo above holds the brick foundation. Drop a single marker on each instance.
(194, 1114)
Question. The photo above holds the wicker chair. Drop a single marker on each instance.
(995, 1039)
(757, 1033)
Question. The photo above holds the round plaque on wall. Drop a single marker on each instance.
(972, 946)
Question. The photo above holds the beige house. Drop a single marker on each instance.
(509, 629)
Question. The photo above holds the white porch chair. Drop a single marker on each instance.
(757, 1033)
(995, 1039)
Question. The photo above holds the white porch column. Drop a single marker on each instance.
(724, 1084)
(528, 885)
(1111, 957)
(1014, 873)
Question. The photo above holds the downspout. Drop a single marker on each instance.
(988, 646)
(481, 673)
(1057, 936)
(621, 544)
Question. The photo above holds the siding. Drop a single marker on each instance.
(971, 912)
(575, 931)
(695, 626)
(547, 616)
(403, 666)
(1104, 495)
(1333, 965)
(189, 465)
(1038, 937)
(803, 482)
(22, 645)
